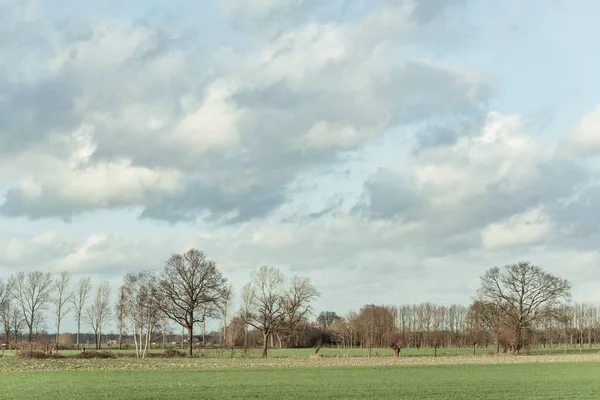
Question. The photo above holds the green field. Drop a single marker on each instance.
(501, 381)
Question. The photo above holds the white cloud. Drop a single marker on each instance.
(527, 228)
(585, 137)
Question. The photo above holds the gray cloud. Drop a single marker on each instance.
(256, 123)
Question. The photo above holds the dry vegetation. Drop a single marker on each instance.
(15, 364)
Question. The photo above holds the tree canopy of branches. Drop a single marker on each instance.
(98, 312)
(270, 305)
(61, 300)
(139, 307)
(524, 293)
(33, 292)
(327, 318)
(188, 283)
(6, 293)
(80, 295)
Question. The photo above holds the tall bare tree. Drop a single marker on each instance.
(267, 307)
(99, 311)
(33, 292)
(225, 312)
(80, 295)
(120, 312)
(523, 292)
(12, 320)
(297, 303)
(6, 292)
(188, 283)
(141, 309)
(245, 310)
(61, 300)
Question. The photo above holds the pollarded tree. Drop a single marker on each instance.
(188, 283)
(524, 292)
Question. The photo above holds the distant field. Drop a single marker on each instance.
(350, 352)
(332, 378)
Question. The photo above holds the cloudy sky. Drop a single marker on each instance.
(390, 150)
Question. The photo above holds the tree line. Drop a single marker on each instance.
(515, 307)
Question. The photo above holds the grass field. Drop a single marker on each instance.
(301, 378)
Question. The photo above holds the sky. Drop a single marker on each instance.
(390, 150)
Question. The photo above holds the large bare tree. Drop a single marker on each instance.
(189, 283)
(33, 291)
(524, 292)
(99, 311)
(61, 299)
(80, 295)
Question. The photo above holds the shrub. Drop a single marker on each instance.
(172, 353)
(37, 354)
(96, 354)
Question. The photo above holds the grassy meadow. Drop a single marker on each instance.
(294, 374)
(559, 380)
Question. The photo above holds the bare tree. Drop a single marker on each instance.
(61, 300)
(80, 295)
(267, 307)
(245, 311)
(523, 292)
(297, 303)
(141, 309)
(6, 292)
(12, 320)
(33, 292)
(327, 318)
(98, 312)
(189, 282)
(120, 310)
(491, 316)
(225, 312)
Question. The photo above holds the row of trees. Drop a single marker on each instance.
(515, 306)
(188, 291)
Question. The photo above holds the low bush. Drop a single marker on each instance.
(96, 354)
(37, 354)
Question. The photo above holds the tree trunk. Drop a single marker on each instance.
(245, 339)
(57, 335)
(497, 343)
(78, 329)
(190, 343)
(265, 344)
